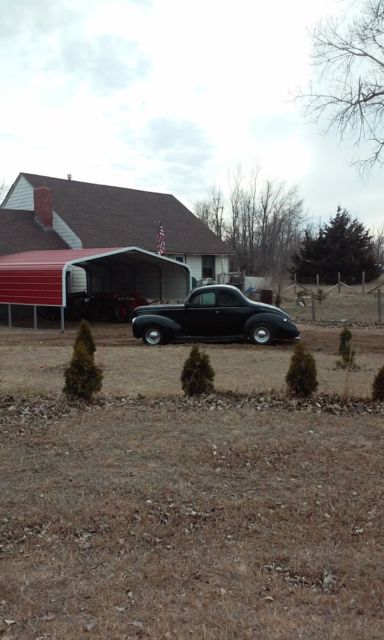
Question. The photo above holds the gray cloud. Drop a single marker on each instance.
(105, 63)
(185, 153)
(48, 38)
(179, 141)
(29, 19)
(267, 127)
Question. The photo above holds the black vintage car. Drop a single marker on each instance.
(214, 312)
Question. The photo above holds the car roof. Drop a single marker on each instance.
(217, 287)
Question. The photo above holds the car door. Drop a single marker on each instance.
(230, 315)
(200, 317)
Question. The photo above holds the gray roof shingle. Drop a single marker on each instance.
(19, 232)
(103, 215)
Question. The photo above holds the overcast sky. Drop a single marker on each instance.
(171, 96)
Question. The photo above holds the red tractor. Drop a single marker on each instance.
(113, 306)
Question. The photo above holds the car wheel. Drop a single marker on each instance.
(153, 336)
(261, 334)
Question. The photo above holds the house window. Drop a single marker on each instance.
(179, 258)
(208, 266)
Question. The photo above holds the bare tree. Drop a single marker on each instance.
(243, 224)
(266, 226)
(378, 244)
(349, 90)
(211, 212)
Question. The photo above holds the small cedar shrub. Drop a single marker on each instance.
(378, 386)
(345, 350)
(84, 335)
(197, 374)
(302, 375)
(82, 377)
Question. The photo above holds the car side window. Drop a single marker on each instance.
(207, 299)
(227, 300)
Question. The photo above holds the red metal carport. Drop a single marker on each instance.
(38, 278)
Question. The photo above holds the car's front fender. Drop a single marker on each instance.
(141, 323)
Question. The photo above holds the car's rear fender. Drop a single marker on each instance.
(141, 323)
(274, 320)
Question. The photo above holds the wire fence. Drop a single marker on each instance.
(341, 302)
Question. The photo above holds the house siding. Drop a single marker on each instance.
(66, 234)
(21, 197)
(221, 265)
(194, 264)
(77, 280)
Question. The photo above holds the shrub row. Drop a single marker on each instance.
(83, 378)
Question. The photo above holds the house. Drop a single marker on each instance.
(43, 213)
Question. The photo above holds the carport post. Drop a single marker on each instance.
(62, 319)
(9, 316)
(34, 316)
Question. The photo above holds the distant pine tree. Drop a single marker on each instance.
(342, 246)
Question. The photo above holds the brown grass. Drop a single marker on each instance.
(34, 361)
(350, 304)
(145, 522)
(165, 520)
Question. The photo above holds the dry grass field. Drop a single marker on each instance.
(153, 517)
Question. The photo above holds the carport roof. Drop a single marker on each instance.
(38, 277)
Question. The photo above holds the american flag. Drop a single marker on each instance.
(160, 240)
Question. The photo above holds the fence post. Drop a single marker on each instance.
(338, 281)
(379, 306)
(313, 306)
(317, 282)
(295, 283)
(363, 281)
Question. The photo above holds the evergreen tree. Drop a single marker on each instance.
(301, 378)
(82, 377)
(197, 374)
(378, 386)
(345, 350)
(342, 246)
(84, 335)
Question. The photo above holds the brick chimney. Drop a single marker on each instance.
(43, 205)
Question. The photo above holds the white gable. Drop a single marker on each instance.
(21, 198)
